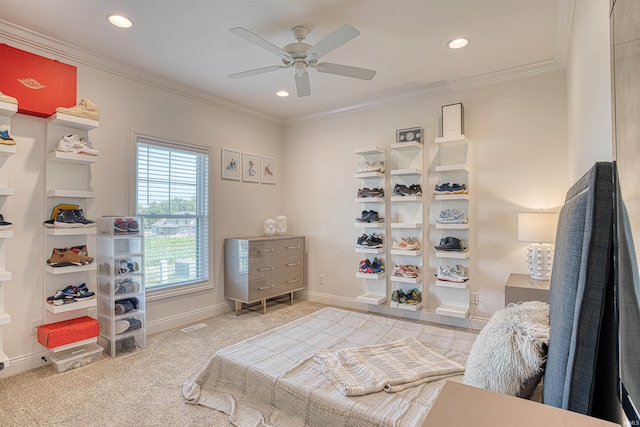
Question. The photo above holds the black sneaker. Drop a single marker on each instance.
(72, 219)
(450, 244)
(374, 241)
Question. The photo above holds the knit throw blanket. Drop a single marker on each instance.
(390, 367)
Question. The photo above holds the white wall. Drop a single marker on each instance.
(518, 132)
(589, 87)
(126, 104)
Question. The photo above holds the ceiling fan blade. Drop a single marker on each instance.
(256, 71)
(259, 41)
(345, 70)
(302, 84)
(332, 41)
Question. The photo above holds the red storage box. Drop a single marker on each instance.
(39, 84)
(68, 331)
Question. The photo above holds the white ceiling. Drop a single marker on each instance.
(403, 40)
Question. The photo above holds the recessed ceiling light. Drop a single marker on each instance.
(120, 21)
(282, 93)
(457, 43)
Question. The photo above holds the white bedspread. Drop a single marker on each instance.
(272, 380)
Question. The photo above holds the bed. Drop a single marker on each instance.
(272, 379)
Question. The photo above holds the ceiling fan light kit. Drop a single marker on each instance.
(301, 56)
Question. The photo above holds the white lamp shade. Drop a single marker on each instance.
(537, 227)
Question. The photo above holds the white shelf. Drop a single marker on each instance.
(70, 269)
(4, 359)
(403, 279)
(61, 156)
(370, 224)
(72, 231)
(7, 109)
(369, 199)
(404, 172)
(5, 191)
(5, 275)
(61, 119)
(78, 305)
(455, 285)
(77, 194)
(6, 234)
(408, 307)
(452, 168)
(453, 311)
(406, 198)
(5, 318)
(74, 344)
(7, 150)
(458, 139)
(406, 225)
(453, 254)
(372, 276)
(362, 175)
(371, 299)
(370, 250)
(368, 151)
(412, 145)
(452, 196)
(452, 226)
(407, 253)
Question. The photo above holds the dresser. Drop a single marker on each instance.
(259, 268)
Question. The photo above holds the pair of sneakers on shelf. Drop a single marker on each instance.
(77, 145)
(70, 294)
(412, 297)
(370, 241)
(409, 271)
(406, 244)
(452, 216)
(456, 273)
(84, 108)
(447, 188)
(364, 167)
(370, 192)
(369, 216)
(411, 190)
(125, 225)
(371, 267)
(67, 257)
(69, 218)
(450, 244)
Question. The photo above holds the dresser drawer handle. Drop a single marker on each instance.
(293, 247)
(265, 250)
(266, 268)
(291, 264)
(293, 281)
(265, 287)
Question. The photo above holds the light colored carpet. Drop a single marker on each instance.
(140, 389)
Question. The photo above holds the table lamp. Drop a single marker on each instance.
(540, 229)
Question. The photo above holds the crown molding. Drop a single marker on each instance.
(23, 38)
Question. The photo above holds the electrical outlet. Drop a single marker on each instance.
(321, 279)
(475, 298)
(34, 326)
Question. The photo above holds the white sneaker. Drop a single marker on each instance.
(84, 108)
(8, 99)
(77, 145)
(365, 166)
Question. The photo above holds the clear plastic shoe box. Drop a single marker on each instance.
(76, 357)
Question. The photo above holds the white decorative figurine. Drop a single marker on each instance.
(269, 227)
(281, 225)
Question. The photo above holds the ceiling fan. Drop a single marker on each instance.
(300, 56)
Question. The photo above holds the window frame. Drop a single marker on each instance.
(182, 288)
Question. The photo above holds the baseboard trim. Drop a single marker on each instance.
(183, 319)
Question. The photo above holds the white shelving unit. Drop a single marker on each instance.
(68, 181)
(453, 168)
(406, 213)
(116, 285)
(375, 284)
(7, 111)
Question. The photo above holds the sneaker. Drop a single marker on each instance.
(369, 216)
(4, 225)
(120, 225)
(410, 271)
(403, 190)
(126, 305)
(77, 145)
(365, 166)
(8, 99)
(406, 244)
(451, 216)
(450, 189)
(452, 274)
(5, 138)
(82, 292)
(127, 325)
(377, 265)
(132, 226)
(414, 296)
(126, 286)
(67, 293)
(125, 266)
(66, 258)
(374, 192)
(72, 219)
(371, 241)
(450, 244)
(84, 108)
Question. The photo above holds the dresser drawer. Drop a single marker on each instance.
(274, 286)
(266, 249)
(262, 268)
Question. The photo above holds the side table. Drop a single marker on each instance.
(521, 287)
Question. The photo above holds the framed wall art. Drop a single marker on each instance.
(250, 168)
(230, 164)
(409, 135)
(267, 170)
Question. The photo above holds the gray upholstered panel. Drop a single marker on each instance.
(581, 276)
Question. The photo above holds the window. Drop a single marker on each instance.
(172, 199)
